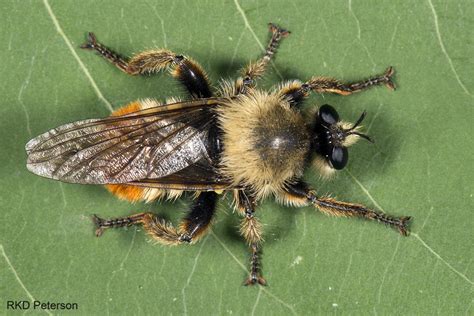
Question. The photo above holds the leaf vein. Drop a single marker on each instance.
(188, 281)
(441, 259)
(413, 234)
(243, 267)
(445, 52)
(249, 27)
(162, 22)
(257, 300)
(7, 260)
(73, 52)
(387, 267)
(355, 18)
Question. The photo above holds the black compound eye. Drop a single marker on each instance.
(339, 157)
(328, 114)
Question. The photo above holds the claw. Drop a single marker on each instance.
(388, 78)
(253, 279)
(403, 225)
(98, 222)
(91, 41)
(276, 29)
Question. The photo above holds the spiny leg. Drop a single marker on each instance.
(256, 69)
(300, 193)
(295, 92)
(192, 227)
(251, 229)
(323, 85)
(188, 72)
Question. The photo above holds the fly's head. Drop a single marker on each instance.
(332, 137)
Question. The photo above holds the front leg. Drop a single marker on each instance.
(299, 194)
(295, 91)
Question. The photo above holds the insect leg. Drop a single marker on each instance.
(300, 193)
(256, 69)
(188, 72)
(324, 84)
(295, 92)
(198, 221)
(119, 61)
(251, 230)
(191, 229)
(160, 230)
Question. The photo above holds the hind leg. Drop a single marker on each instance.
(188, 72)
(192, 227)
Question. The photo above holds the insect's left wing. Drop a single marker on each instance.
(148, 144)
(200, 176)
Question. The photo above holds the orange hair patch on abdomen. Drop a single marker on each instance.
(126, 192)
(129, 108)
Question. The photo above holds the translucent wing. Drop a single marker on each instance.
(200, 176)
(147, 144)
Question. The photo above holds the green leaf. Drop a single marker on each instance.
(421, 164)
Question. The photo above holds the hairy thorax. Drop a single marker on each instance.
(266, 142)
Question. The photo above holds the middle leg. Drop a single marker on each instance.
(251, 229)
(299, 194)
(256, 69)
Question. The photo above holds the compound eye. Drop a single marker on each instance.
(339, 157)
(328, 114)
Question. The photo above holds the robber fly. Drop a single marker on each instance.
(236, 139)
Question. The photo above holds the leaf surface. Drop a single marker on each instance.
(421, 164)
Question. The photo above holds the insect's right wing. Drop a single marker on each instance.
(147, 144)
